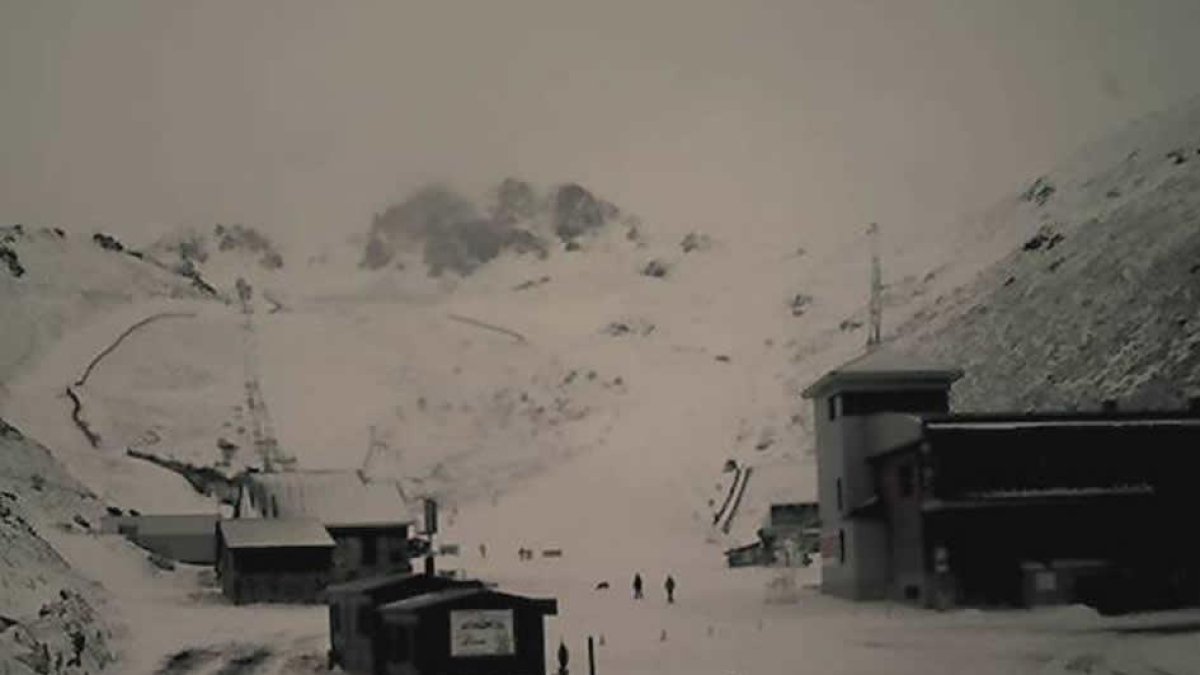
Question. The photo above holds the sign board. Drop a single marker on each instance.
(481, 632)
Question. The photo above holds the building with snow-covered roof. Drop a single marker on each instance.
(188, 538)
(464, 630)
(354, 614)
(368, 519)
(273, 559)
(923, 504)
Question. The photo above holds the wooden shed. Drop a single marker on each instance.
(463, 631)
(273, 560)
(354, 615)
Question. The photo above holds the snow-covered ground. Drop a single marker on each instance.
(571, 403)
(627, 505)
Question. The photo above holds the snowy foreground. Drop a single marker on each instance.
(724, 622)
(613, 511)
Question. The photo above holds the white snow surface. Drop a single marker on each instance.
(565, 436)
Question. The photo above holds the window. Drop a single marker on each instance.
(370, 549)
(833, 407)
(841, 546)
(396, 553)
(398, 644)
(913, 401)
(839, 495)
(905, 475)
(365, 620)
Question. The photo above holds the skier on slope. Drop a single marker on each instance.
(670, 586)
(637, 586)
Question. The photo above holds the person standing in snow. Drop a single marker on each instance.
(670, 586)
(637, 586)
(483, 551)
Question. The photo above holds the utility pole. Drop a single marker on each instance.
(431, 528)
(875, 307)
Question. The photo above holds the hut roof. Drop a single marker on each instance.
(882, 364)
(274, 533)
(453, 595)
(335, 498)
(371, 584)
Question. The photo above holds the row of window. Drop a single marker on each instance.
(906, 478)
(870, 402)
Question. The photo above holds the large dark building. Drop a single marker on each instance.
(921, 504)
(354, 615)
(463, 631)
(273, 559)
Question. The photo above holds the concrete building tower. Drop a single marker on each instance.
(848, 405)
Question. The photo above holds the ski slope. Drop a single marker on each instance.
(575, 403)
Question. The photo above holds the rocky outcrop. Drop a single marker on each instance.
(54, 620)
(449, 232)
(577, 212)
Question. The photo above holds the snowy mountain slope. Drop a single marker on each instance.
(66, 278)
(586, 399)
(50, 616)
(652, 375)
(1102, 301)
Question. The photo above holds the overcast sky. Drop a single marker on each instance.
(305, 116)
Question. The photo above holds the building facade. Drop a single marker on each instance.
(368, 520)
(927, 506)
(273, 560)
(354, 615)
(463, 631)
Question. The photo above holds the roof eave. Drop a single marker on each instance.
(945, 377)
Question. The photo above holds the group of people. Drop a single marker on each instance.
(668, 585)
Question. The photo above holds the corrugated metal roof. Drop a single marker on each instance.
(452, 595)
(336, 498)
(274, 533)
(371, 583)
(1095, 491)
(408, 578)
(430, 599)
(980, 423)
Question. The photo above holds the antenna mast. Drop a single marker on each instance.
(875, 308)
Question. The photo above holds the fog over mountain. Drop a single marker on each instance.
(761, 118)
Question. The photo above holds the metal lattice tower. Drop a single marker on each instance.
(261, 426)
(875, 308)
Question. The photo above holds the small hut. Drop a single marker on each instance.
(463, 631)
(273, 560)
(354, 616)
